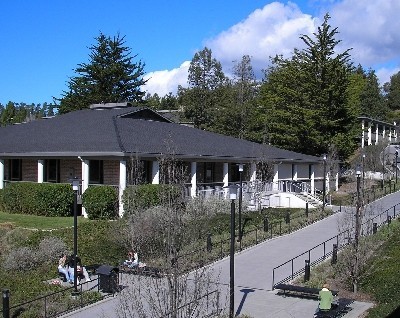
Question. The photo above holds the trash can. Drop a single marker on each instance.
(108, 278)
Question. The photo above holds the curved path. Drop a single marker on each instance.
(254, 266)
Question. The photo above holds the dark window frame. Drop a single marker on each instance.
(15, 170)
(52, 170)
(96, 172)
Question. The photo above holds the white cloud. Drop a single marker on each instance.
(385, 73)
(274, 29)
(164, 82)
(370, 27)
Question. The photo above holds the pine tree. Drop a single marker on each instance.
(109, 76)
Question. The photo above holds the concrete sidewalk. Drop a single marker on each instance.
(253, 272)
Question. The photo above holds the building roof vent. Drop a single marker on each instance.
(110, 105)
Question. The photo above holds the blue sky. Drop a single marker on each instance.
(43, 41)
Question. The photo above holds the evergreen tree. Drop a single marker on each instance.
(372, 102)
(305, 97)
(392, 90)
(237, 114)
(204, 78)
(110, 76)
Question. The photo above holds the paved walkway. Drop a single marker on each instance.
(253, 271)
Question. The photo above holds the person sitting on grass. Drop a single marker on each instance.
(63, 268)
(81, 270)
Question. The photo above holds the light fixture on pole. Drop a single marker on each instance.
(6, 303)
(240, 203)
(324, 184)
(396, 156)
(363, 171)
(358, 206)
(232, 197)
(75, 182)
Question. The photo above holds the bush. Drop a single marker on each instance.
(1, 200)
(142, 197)
(100, 202)
(45, 199)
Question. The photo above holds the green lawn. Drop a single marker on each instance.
(38, 222)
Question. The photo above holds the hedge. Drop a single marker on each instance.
(148, 195)
(45, 199)
(100, 202)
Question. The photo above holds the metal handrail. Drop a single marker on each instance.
(317, 261)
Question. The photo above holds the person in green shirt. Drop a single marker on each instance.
(325, 298)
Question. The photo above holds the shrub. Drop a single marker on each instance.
(141, 197)
(22, 259)
(46, 199)
(1, 200)
(50, 249)
(100, 202)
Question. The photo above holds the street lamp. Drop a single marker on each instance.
(75, 187)
(240, 204)
(396, 156)
(6, 303)
(363, 171)
(232, 197)
(358, 205)
(324, 184)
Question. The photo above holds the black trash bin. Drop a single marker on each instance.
(108, 278)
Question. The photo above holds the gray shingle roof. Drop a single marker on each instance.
(119, 132)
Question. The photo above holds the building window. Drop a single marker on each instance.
(15, 170)
(96, 173)
(52, 170)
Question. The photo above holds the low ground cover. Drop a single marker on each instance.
(379, 282)
(99, 242)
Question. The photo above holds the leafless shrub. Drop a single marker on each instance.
(164, 232)
(50, 249)
(21, 259)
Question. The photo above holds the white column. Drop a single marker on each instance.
(225, 179)
(40, 171)
(1, 174)
(390, 134)
(193, 179)
(369, 134)
(394, 132)
(122, 185)
(253, 172)
(85, 181)
(377, 134)
(155, 172)
(275, 180)
(362, 133)
(312, 178)
(383, 132)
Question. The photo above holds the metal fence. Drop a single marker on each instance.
(53, 304)
(322, 251)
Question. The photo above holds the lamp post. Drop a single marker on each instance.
(358, 206)
(324, 184)
(232, 197)
(396, 156)
(75, 187)
(363, 171)
(6, 303)
(240, 204)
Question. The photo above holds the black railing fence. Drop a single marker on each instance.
(322, 251)
(54, 304)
